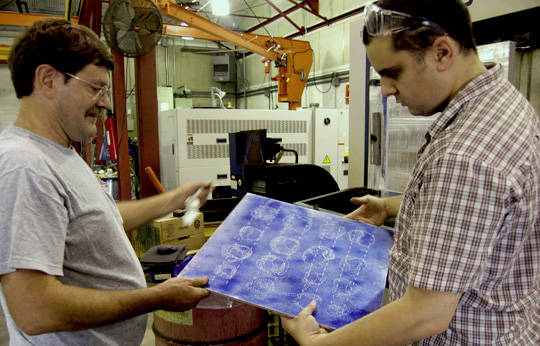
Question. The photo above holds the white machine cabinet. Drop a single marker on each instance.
(194, 143)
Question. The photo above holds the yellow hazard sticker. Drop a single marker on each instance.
(326, 160)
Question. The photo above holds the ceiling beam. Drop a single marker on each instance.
(248, 16)
(314, 4)
(311, 6)
(273, 19)
(25, 19)
(231, 15)
(331, 21)
(281, 14)
(311, 10)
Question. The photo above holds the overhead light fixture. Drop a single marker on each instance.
(220, 7)
(183, 24)
(187, 38)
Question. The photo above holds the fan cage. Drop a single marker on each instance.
(132, 27)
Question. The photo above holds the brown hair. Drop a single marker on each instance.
(452, 15)
(65, 46)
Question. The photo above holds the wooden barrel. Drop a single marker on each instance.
(231, 324)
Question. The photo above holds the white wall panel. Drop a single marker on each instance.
(484, 9)
(349, 5)
(329, 9)
(331, 47)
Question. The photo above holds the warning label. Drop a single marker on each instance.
(326, 160)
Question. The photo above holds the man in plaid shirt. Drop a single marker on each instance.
(464, 268)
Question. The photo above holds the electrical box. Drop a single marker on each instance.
(224, 68)
(331, 143)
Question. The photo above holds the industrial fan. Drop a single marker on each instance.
(132, 27)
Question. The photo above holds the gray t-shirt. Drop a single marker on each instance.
(56, 217)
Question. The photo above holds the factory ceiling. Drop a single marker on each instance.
(256, 16)
(245, 15)
(52, 7)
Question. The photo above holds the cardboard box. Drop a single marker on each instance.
(169, 231)
(210, 228)
(194, 242)
(171, 228)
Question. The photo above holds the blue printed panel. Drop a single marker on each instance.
(280, 256)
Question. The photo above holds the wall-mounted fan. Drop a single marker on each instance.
(132, 27)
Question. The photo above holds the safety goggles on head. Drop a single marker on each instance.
(382, 22)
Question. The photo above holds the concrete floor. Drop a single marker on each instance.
(4, 336)
(148, 340)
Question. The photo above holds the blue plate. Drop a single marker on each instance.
(280, 256)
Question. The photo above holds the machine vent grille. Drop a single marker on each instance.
(208, 151)
(300, 148)
(221, 151)
(230, 126)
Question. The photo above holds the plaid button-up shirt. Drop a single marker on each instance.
(470, 217)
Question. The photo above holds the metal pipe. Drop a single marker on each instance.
(167, 64)
(157, 65)
(174, 64)
(319, 79)
(531, 52)
(244, 62)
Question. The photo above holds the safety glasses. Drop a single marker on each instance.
(382, 22)
(97, 91)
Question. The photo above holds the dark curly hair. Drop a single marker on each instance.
(451, 15)
(65, 46)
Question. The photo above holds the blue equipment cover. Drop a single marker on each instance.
(279, 257)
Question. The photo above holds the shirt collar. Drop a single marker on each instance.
(480, 84)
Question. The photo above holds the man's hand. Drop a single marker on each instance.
(181, 294)
(58, 307)
(372, 210)
(183, 192)
(139, 212)
(304, 327)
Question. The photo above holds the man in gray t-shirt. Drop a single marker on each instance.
(68, 274)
